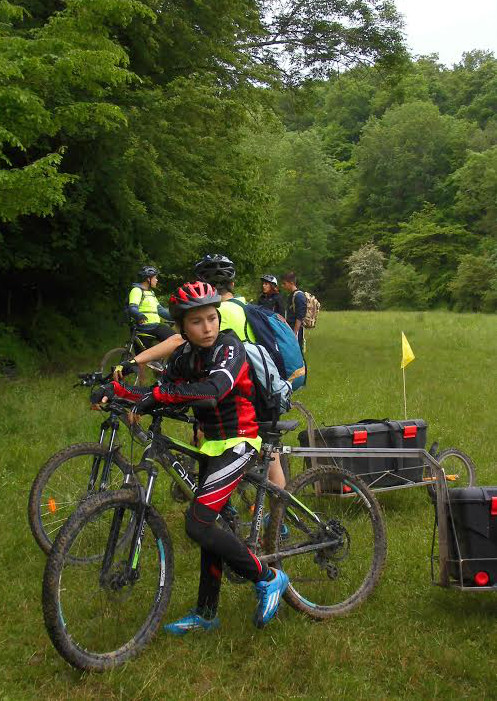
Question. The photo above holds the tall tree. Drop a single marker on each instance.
(404, 158)
(434, 248)
(308, 189)
(476, 196)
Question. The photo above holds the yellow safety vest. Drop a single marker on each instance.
(147, 303)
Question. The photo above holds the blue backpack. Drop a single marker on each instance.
(273, 333)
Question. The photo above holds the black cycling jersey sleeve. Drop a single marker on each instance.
(181, 383)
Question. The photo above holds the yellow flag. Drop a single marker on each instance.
(407, 354)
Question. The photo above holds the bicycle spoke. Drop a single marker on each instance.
(104, 615)
(67, 485)
(351, 544)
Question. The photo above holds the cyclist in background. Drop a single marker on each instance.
(210, 373)
(270, 297)
(144, 307)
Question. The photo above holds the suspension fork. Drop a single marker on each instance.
(138, 530)
(104, 482)
(149, 457)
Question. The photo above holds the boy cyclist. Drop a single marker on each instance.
(218, 271)
(210, 369)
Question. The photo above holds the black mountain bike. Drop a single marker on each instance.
(109, 576)
(79, 470)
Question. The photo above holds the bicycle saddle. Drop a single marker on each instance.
(278, 427)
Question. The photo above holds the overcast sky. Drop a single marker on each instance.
(449, 27)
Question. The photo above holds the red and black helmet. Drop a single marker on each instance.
(192, 295)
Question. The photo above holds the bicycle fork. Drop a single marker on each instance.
(95, 468)
(130, 573)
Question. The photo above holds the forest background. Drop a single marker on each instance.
(287, 135)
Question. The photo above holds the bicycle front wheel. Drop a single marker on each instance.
(98, 613)
(63, 482)
(346, 545)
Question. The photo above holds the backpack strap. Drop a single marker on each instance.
(239, 303)
(292, 303)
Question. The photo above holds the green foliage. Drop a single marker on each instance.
(404, 158)
(313, 37)
(434, 248)
(54, 83)
(365, 276)
(402, 287)
(473, 284)
(17, 358)
(476, 195)
(37, 188)
(489, 301)
(308, 188)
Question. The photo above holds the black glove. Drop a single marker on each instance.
(126, 367)
(145, 405)
(104, 391)
(142, 319)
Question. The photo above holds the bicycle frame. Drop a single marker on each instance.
(159, 453)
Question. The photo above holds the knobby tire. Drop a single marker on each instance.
(356, 514)
(65, 625)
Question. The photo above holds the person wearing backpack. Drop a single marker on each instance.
(145, 309)
(270, 297)
(210, 373)
(296, 307)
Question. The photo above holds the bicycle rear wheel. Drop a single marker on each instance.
(332, 580)
(99, 617)
(63, 482)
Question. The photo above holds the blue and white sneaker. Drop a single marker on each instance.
(269, 595)
(192, 621)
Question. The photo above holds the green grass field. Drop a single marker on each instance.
(409, 640)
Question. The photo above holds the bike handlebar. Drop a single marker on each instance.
(90, 379)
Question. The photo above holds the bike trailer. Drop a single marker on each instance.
(376, 472)
(472, 536)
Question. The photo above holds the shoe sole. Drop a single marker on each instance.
(180, 632)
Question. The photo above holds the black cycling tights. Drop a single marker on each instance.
(218, 478)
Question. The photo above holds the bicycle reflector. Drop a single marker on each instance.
(52, 506)
(410, 431)
(481, 579)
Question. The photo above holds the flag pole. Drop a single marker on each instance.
(405, 401)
